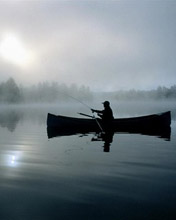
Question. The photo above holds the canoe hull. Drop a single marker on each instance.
(156, 124)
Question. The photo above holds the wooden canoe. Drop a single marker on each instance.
(155, 124)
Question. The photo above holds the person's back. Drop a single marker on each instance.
(107, 114)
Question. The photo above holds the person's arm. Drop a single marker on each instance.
(97, 111)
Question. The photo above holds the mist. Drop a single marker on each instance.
(106, 46)
(52, 92)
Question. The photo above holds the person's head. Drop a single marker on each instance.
(106, 104)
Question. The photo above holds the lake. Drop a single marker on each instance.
(73, 177)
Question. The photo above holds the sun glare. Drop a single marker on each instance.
(13, 50)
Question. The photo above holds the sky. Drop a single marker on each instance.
(106, 45)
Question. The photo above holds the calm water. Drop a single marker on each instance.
(71, 177)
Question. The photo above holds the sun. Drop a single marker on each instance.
(12, 49)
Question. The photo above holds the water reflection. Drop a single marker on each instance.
(106, 137)
(10, 119)
(10, 159)
(13, 160)
(164, 133)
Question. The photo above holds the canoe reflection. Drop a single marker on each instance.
(164, 133)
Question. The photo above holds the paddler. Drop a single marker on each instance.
(106, 114)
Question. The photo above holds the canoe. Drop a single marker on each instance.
(155, 124)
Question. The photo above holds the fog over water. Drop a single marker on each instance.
(11, 114)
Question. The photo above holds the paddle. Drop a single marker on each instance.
(85, 115)
(93, 118)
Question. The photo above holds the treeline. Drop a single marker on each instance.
(10, 92)
(161, 93)
(52, 92)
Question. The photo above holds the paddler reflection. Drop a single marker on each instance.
(107, 137)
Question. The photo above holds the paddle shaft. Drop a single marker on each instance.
(93, 118)
(85, 115)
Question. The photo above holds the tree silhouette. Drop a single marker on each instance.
(10, 92)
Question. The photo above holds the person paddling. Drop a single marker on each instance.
(106, 114)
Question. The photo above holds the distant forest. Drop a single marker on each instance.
(10, 92)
